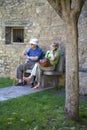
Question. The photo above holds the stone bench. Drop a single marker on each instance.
(83, 81)
(54, 75)
(59, 71)
(83, 69)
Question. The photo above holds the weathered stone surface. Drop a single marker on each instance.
(83, 83)
(17, 91)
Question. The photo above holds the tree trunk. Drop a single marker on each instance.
(72, 79)
(69, 11)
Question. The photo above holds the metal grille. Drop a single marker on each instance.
(18, 35)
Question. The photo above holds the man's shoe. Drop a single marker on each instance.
(32, 85)
(24, 83)
(19, 84)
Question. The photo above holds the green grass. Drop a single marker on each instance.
(39, 111)
(5, 82)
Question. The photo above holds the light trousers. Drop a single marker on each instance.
(38, 69)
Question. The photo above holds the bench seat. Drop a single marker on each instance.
(52, 73)
(83, 69)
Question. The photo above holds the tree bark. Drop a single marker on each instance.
(72, 78)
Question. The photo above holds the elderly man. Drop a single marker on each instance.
(33, 55)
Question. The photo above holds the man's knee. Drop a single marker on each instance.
(20, 67)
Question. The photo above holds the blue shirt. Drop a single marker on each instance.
(35, 52)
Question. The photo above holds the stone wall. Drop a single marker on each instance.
(41, 21)
(38, 19)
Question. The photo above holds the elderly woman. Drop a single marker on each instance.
(53, 56)
(33, 55)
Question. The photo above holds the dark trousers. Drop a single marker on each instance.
(21, 69)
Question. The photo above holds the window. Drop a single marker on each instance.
(14, 35)
(17, 35)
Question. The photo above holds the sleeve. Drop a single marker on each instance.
(28, 52)
(47, 54)
(39, 53)
(57, 53)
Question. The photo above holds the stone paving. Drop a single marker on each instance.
(16, 91)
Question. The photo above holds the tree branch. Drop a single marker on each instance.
(68, 6)
(78, 7)
(56, 4)
(63, 8)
